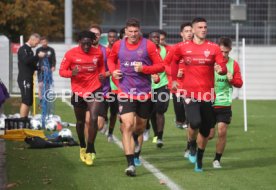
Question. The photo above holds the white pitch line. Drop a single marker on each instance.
(155, 171)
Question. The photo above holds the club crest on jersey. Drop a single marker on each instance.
(78, 67)
(188, 60)
(95, 60)
(207, 53)
(140, 52)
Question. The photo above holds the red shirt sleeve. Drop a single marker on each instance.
(220, 60)
(237, 78)
(112, 58)
(65, 70)
(101, 68)
(168, 60)
(157, 63)
(175, 60)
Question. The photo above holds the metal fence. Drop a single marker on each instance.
(260, 27)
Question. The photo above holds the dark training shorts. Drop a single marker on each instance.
(80, 102)
(223, 115)
(26, 90)
(142, 108)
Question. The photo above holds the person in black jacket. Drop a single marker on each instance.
(51, 57)
(27, 64)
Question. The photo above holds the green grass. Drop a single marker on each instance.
(249, 161)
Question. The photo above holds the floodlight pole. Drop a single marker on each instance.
(68, 22)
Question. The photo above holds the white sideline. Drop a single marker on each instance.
(156, 172)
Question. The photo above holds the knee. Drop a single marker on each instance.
(127, 127)
(222, 132)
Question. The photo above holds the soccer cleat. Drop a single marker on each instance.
(110, 138)
(146, 135)
(179, 126)
(197, 169)
(192, 158)
(185, 126)
(130, 171)
(186, 153)
(89, 159)
(82, 154)
(137, 162)
(159, 143)
(154, 140)
(216, 164)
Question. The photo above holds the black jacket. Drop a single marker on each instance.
(27, 62)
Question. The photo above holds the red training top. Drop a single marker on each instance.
(199, 60)
(90, 65)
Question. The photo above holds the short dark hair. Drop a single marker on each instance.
(154, 31)
(225, 41)
(43, 38)
(97, 27)
(133, 22)
(162, 32)
(86, 34)
(122, 33)
(198, 19)
(183, 25)
(112, 30)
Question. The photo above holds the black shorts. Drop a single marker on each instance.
(26, 90)
(200, 115)
(142, 108)
(112, 103)
(80, 102)
(223, 115)
(161, 99)
(103, 109)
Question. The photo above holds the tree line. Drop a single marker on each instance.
(46, 17)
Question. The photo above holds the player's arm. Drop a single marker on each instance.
(236, 79)
(112, 61)
(220, 61)
(157, 63)
(101, 68)
(168, 60)
(54, 60)
(65, 70)
(174, 62)
(26, 59)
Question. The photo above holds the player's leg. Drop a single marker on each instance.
(113, 117)
(102, 115)
(80, 108)
(194, 117)
(127, 114)
(87, 123)
(26, 90)
(223, 118)
(179, 111)
(208, 121)
(162, 104)
(94, 105)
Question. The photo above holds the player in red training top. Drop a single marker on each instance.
(132, 60)
(84, 64)
(200, 56)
